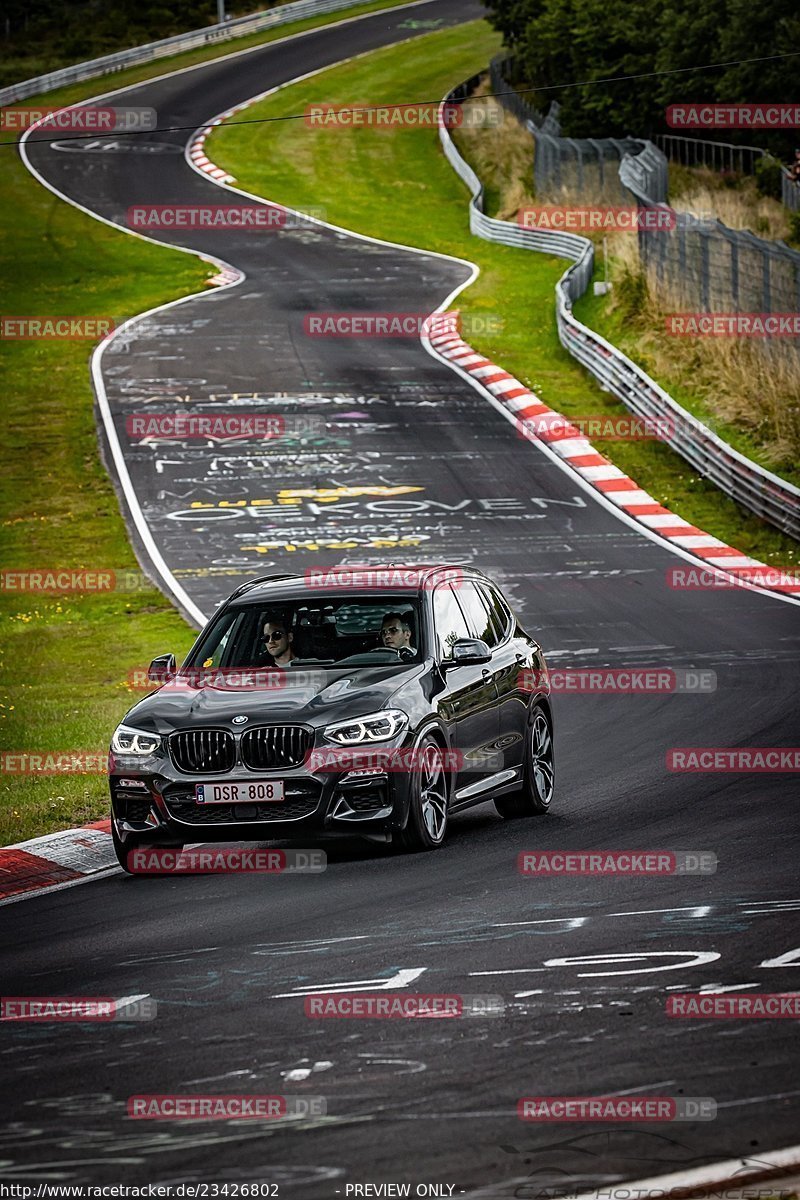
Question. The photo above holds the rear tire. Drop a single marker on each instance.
(538, 772)
(429, 801)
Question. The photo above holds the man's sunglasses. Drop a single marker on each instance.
(273, 637)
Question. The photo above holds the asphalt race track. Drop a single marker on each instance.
(228, 959)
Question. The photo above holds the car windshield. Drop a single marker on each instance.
(345, 631)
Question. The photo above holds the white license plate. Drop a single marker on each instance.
(240, 791)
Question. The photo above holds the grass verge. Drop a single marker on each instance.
(65, 660)
(400, 187)
(761, 422)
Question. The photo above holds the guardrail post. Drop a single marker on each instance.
(734, 272)
(704, 271)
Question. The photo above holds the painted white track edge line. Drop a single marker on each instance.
(599, 496)
(352, 233)
(171, 584)
(722, 1173)
(207, 62)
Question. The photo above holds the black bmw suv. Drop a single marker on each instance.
(373, 701)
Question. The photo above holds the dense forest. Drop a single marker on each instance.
(42, 35)
(578, 42)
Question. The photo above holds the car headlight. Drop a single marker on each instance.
(377, 727)
(134, 742)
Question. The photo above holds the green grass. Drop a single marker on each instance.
(615, 327)
(400, 187)
(64, 661)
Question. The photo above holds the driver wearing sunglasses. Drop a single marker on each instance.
(396, 635)
(278, 641)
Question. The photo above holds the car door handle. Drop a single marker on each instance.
(485, 672)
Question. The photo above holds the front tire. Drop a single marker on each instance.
(123, 846)
(538, 772)
(429, 801)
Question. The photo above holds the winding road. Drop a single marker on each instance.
(229, 958)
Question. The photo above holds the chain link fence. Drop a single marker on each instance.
(749, 484)
(699, 265)
(565, 165)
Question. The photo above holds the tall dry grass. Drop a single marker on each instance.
(743, 382)
(501, 153)
(734, 201)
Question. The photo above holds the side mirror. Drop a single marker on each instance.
(162, 669)
(469, 652)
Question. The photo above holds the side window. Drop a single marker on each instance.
(501, 617)
(448, 620)
(476, 610)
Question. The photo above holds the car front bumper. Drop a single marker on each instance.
(155, 808)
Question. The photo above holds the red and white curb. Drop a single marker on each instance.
(538, 422)
(198, 155)
(200, 160)
(55, 859)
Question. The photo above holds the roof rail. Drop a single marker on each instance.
(251, 583)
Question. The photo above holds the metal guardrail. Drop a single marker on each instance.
(748, 484)
(110, 63)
